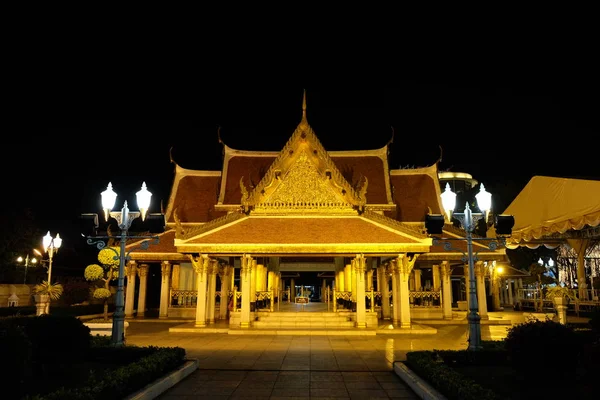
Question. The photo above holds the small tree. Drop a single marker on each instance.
(537, 276)
(103, 274)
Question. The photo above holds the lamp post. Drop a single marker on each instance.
(469, 221)
(28, 260)
(124, 218)
(51, 245)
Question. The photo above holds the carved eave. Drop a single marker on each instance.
(197, 230)
(181, 173)
(302, 235)
(303, 175)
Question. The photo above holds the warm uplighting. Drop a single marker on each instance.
(500, 270)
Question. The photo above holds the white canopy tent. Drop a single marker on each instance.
(552, 211)
(548, 206)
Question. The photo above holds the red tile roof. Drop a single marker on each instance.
(416, 193)
(298, 230)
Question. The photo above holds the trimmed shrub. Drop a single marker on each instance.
(595, 320)
(535, 346)
(57, 340)
(16, 351)
(430, 366)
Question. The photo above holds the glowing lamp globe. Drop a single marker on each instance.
(448, 201)
(57, 241)
(109, 197)
(484, 200)
(143, 199)
(46, 241)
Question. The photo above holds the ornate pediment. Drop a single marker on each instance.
(303, 178)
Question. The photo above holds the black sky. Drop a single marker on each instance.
(503, 134)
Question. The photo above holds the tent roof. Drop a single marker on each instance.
(549, 205)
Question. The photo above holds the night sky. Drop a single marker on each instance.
(501, 134)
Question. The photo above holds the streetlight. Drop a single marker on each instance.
(469, 220)
(124, 219)
(51, 245)
(28, 261)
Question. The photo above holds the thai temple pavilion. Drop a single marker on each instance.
(240, 242)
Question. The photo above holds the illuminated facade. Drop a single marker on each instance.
(305, 224)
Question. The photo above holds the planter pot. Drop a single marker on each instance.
(41, 303)
(560, 304)
(560, 301)
(103, 328)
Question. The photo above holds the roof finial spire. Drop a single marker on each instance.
(304, 108)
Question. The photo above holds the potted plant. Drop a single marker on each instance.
(45, 292)
(559, 294)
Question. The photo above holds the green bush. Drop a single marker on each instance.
(75, 292)
(57, 340)
(15, 348)
(536, 346)
(430, 366)
(76, 311)
(595, 320)
(20, 310)
(120, 382)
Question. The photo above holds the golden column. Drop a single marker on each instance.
(406, 265)
(211, 302)
(436, 278)
(200, 265)
(143, 274)
(481, 296)
(359, 267)
(446, 290)
(253, 276)
(245, 278)
(165, 272)
(130, 273)
(225, 276)
(383, 281)
(175, 277)
(395, 267)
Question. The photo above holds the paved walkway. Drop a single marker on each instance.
(301, 367)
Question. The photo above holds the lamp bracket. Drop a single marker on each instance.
(125, 217)
(446, 243)
(144, 245)
(468, 220)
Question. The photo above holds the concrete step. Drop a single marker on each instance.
(269, 324)
(303, 320)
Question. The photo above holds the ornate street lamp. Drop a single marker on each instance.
(27, 261)
(468, 221)
(51, 246)
(124, 218)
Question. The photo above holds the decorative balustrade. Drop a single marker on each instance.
(588, 298)
(341, 298)
(425, 298)
(184, 298)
